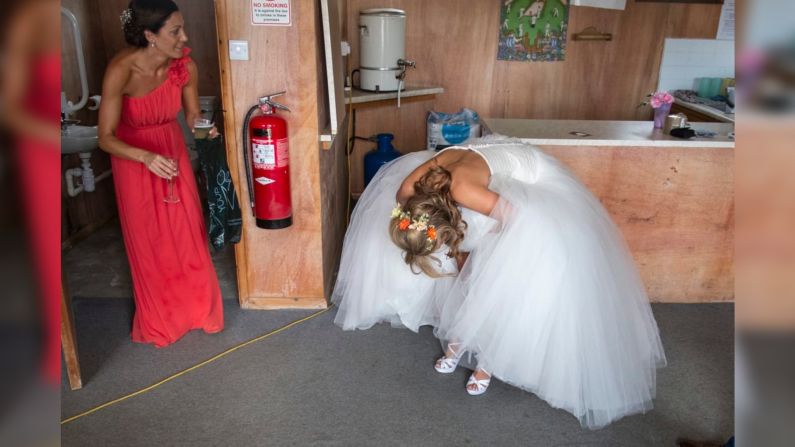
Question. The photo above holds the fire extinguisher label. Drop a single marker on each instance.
(264, 155)
(264, 180)
(283, 154)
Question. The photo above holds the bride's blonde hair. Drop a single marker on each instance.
(433, 204)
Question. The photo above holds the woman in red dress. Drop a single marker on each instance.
(31, 85)
(174, 282)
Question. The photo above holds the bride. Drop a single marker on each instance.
(511, 259)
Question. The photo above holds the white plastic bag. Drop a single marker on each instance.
(448, 129)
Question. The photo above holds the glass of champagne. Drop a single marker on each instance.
(170, 197)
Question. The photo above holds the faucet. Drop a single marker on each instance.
(404, 65)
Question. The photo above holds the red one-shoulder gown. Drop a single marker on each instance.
(174, 282)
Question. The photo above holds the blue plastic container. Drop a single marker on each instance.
(379, 157)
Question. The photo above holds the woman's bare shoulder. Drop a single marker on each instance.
(124, 59)
(119, 71)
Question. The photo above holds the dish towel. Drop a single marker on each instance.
(225, 220)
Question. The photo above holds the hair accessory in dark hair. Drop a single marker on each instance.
(126, 17)
(145, 15)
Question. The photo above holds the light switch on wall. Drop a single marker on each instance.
(238, 50)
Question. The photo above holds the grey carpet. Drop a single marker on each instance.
(315, 384)
(97, 267)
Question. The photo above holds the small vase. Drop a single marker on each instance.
(659, 115)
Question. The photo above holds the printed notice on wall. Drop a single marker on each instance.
(273, 13)
(726, 25)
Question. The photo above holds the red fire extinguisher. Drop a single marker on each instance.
(267, 159)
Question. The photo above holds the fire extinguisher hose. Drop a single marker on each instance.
(246, 161)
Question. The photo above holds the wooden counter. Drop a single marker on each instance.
(674, 202)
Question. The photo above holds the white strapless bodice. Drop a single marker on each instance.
(518, 161)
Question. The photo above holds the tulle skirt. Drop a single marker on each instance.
(374, 283)
(549, 300)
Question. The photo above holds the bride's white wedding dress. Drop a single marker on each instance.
(549, 299)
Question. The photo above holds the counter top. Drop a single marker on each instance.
(706, 110)
(604, 133)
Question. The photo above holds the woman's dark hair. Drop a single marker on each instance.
(142, 15)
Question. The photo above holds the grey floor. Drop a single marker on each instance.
(97, 267)
(315, 384)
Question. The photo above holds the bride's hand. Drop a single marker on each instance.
(160, 165)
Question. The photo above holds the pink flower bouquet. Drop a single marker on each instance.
(658, 99)
(661, 103)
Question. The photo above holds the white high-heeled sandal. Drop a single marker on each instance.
(481, 385)
(445, 364)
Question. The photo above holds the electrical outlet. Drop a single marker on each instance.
(238, 50)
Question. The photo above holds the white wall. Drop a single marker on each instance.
(684, 60)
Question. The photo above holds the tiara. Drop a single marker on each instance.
(418, 223)
(126, 17)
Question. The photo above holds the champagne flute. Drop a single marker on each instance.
(170, 197)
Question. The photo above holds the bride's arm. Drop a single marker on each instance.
(474, 196)
(406, 189)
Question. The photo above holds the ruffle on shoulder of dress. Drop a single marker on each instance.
(178, 71)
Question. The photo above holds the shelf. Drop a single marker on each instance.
(363, 97)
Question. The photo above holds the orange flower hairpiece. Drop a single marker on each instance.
(431, 233)
(420, 223)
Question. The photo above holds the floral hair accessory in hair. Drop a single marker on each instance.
(126, 17)
(431, 233)
(405, 217)
(418, 223)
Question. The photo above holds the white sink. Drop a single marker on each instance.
(75, 139)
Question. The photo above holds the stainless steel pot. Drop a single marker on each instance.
(674, 121)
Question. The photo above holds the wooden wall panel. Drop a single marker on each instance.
(675, 208)
(333, 173)
(455, 47)
(334, 203)
(277, 268)
(200, 26)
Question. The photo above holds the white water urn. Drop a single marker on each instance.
(382, 43)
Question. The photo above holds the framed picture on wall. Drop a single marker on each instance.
(533, 30)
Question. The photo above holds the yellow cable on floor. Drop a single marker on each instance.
(210, 360)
